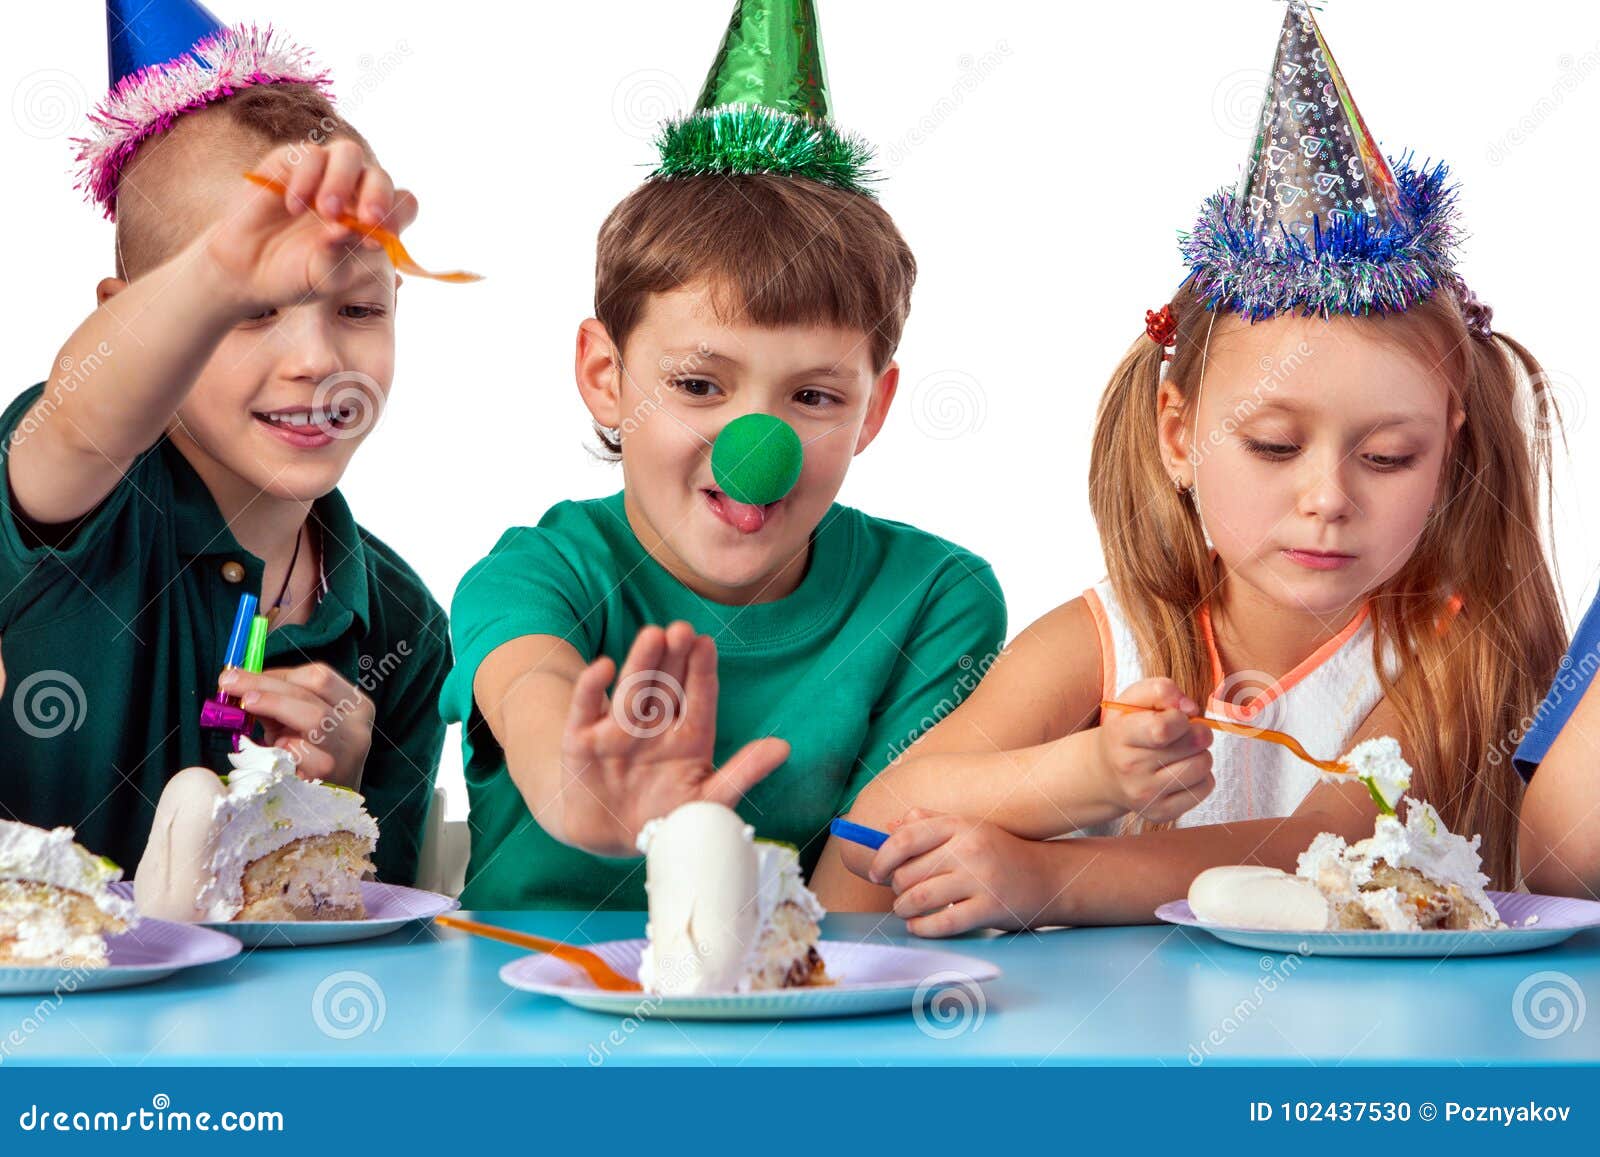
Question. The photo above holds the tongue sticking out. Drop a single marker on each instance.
(743, 517)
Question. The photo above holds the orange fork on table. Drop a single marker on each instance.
(602, 974)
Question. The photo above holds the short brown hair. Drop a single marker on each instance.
(151, 226)
(772, 250)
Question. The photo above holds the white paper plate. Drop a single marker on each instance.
(867, 978)
(389, 906)
(1531, 922)
(151, 950)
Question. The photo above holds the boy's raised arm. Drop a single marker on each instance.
(148, 343)
(136, 357)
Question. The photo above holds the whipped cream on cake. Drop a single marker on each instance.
(263, 845)
(1408, 876)
(56, 905)
(728, 912)
(1405, 877)
(1379, 764)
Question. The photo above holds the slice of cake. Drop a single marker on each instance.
(56, 906)
(728, 912)
(262, 845)
(1405, 877)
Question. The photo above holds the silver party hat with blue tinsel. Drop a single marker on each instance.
(1320, 223)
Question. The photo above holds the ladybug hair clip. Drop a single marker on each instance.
(1162, 328)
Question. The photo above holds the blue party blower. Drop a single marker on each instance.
(857, 834)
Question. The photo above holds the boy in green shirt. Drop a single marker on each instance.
(750, 290)
(188, 448)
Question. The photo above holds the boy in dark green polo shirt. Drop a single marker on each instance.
(742, 293)
(187, 449)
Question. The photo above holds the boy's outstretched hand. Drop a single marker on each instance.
(279, 248)
(951, 874)
(638, 753)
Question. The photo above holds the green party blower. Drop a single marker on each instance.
(247, 651)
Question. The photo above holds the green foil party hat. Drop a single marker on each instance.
(765, 106)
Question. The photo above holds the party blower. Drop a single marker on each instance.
(247, 651)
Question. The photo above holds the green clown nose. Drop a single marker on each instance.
(756, 459)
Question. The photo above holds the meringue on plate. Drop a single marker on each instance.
(728, 912)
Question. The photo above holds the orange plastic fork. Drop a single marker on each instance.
(1333, 766)
(385, 237)
(603, 975)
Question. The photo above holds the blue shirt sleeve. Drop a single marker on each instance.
(1577, 673)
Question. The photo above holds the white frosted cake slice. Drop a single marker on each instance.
(1409, 876)
(728, 912)
(56, 906)
(263, 845)
(1414, 876)
(1405, 877)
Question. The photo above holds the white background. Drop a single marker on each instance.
(1040, 158)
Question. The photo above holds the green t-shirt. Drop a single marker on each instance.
(112, 634)
(887, 631)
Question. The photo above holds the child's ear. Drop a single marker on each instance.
(108, 288)
(1173, 432)
(883, 391)
(599, 377)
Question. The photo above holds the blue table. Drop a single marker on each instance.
(1147, 995)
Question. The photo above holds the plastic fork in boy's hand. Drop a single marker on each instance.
(390, 241)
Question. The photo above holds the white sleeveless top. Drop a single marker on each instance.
(1321, 703)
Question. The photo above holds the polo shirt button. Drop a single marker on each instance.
(233, 572)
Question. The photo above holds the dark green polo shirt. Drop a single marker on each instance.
(888, 631)
(113, 632)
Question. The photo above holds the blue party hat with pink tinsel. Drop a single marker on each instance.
(1320, 222)
(169, 57)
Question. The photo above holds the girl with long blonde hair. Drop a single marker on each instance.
(1317, 481)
